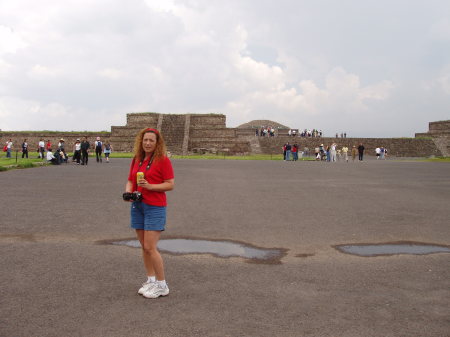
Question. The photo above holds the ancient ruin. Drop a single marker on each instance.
(440, 133)
(207, 133)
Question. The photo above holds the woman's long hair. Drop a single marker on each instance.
(160, 150)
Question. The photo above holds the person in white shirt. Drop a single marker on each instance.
(50, 157)
(77, 152)
(378, 152)
(333, 152)
(9, 145)
(41, 148)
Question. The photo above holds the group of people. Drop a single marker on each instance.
(265, 131)
(289, 150)
(80, 151)
(381, 152)
(269, 131)
(308, 133)
(331, 153)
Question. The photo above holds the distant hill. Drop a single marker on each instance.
(259, 123)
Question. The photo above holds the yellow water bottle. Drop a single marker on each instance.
(140, 175)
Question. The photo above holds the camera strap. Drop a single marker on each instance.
(149, 163)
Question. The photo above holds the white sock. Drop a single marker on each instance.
(151, 279)
(162, 283)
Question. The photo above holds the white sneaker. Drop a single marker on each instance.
(156, 291)
(146, 286)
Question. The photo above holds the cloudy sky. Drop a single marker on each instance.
(376, 68)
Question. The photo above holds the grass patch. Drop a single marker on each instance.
(11, 163)
(25, 165)
(52, 132)
(244, 157)
(426, 160)
(438, 160)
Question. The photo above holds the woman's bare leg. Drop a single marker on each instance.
(147, 261)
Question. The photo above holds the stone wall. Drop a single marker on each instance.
(399, 147)
(440, 133)
(193, 133)
(54, 137)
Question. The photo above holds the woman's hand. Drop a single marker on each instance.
(167, 185)
(144, 183)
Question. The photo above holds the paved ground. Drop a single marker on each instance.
(56, 280)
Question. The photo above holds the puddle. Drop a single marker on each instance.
(414, 248)
(223, 249)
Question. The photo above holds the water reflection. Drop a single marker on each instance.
(222, 249)
(392, 249)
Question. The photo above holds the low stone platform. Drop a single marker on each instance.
(440, 133)
(191, 133)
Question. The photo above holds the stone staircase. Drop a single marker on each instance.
(173, 129)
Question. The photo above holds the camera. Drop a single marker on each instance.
(135, 196)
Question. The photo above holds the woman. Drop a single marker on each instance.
(9, 146)
(148, 217)
(25, 149)
(354, 152)
(77, 152)
(107, 151)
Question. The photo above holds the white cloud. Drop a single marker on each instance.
(42, 72)
(441, 30)
(80, 60)
(111, 73)
(444, 80)
(342, 93)
(11, 41)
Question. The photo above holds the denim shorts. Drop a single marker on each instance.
(148, 217)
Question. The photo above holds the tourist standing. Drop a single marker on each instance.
(321, 151)
(98, 150)
(354, 152)
(378, 152)
(85, 151)
(360, 151)
(25, 149)
(333, 152)
(48, 146)
(9, 145)
(344, 151)
(295, 152)
(107, 151)
(41, 148)
(148, 216)
(77, 152)
(288, 151)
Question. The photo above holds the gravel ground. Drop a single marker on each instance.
(60, 278)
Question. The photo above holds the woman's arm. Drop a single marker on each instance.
(167, 185)
(129, 186)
